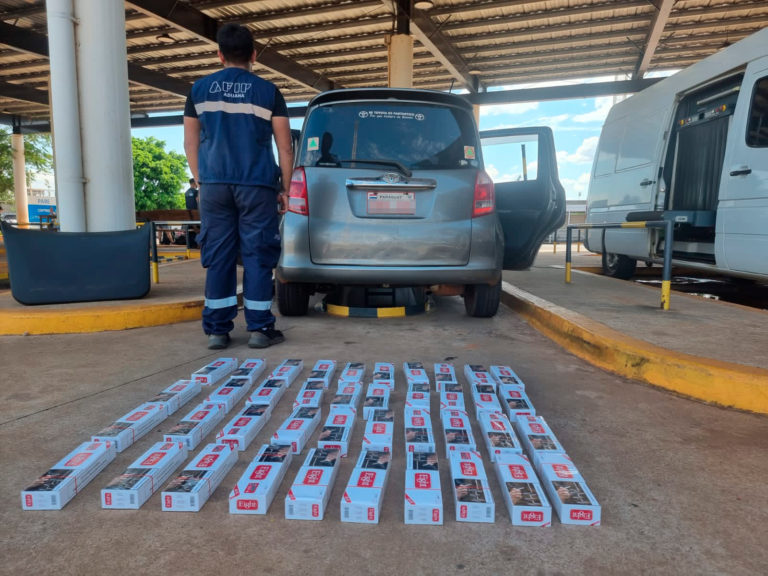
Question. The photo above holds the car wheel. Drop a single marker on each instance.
(618, 265)
(292, 298)
(482, 300)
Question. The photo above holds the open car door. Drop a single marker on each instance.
(530, 201)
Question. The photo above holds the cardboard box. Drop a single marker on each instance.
(471, 492)
(418, 431)
(310, 394)
(144, 476)
(505, 375)
(376, 398)
(346, 398)
(176, 395)
(337, 431)
(361, 501)
(537, 438)
(311, 489)
(298, 427)
(499, 435)
(196, 425)
(256, 488)
(515, 401)
(568, 492)
(526, 502)
(379, 431)
(418, 395)
(54, 489)
(230, 393)
(268, 392)
(129, 428)
(211, 373)
(457, 432)
(288, 370)
(423, 496)
(415, 372)
(452, 401)
(485, 401)
(190, 490)
(250, 370)
(444, 373)
(384, 374)
(323, 370)
(477, 374)
(243, 428)
(353, 373)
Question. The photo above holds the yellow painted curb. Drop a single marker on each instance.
(722, 383)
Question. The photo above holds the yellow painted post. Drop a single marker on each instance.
(155, 272)
(666, 287)
(567, 272)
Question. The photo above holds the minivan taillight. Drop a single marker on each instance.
(484, 201)
(297, 194)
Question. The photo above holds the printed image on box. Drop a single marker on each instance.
(419, 440)
(472, 495)
(505, 375)
(422, 461)
(570, 496)
(268, 392)
(515, 401)
(192, 488)
(477, 374)
(345, 401)
(361, 501)
(353, 372)
(499, 436)
(384, 374)
(298, 427)
(524, 496)
(485, 402)
(129, 428)
(415, 372)
(323, 371)
(54, 489)
(250, 370)
(374, 459)
(144, 476)
(444, 374)
(537, 438)
(211, 373)
(457, 434)
(288, 370)
(230, 393)
(196, 425)
(379, 431)
(243, 428)
(311, 489)
(417, 400)
(256, 488)
(176, 395)
(337, 431)
(377, 398)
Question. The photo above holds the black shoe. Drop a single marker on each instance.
(265, 337)
(218, 341)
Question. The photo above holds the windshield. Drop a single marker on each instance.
(415, 135)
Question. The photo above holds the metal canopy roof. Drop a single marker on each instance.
(307, 46)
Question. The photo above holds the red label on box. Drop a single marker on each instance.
(260, 472)
(417, 395)
(217, 364)
(463, 511)
(340, 419)
(562, 471)
(108, 498)
(309, 394)
(514, 394)
(153, 458)
(379, 428)
(451, 396)
(352, 372)
(417, 421)
(200, 415)
(247, 504)
(348, 390)
(225, 391)
(78, 459)
(581, 515)
(504, 372)
(346, 497)
(497, 425)
(422, 481)
(518, 472)
(231, 442)
(295, 424)
(28, 499)
(366, 479)
(250, 364)
(486, 397)
(250, 488)
(378, 391)
(207, 461)
(435, 515)
(313, 476)
(323, 366)
(168, 501)
(332, 447)
(371, 514)
(457, 423)
(468, 469)
(445, 369)
(315, 510)
(178, 387)
(240, 422)
(537, 428)
(531, 516)
(409, 500)
(136, 416)
(265, 391)
(167, 446)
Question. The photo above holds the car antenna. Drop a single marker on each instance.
(450, 90)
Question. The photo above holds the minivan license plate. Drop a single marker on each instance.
(391, 202)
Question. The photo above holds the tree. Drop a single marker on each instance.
(37, 156)
(158, 175)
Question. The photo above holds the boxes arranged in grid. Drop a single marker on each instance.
(310, 394)
(256, 488)
(570, 496)
(505, 375)
(308, 496)
(444, 373)
(250, 370)
(268, 392)
(361, 502)
(537, 438)
(352, 373)
(243, 428)
(337, 431)
(129, 428)
(296, 430)
(230, 393)
(176, 395)
(515, 401)
(418, 431)
(485, 399)
(323, 371)
(196, 425)
(499, 435)
(471, 492)
(379, 431)
(384, 374)
(423, 495)
(346, 398)
(377, 397)
(457, 431)
(477, 374)
(526, 502)
(217, 370)
(190, 490)
(144, 476)
(54, 489)
(288, 370)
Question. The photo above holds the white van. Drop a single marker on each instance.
(692, 148)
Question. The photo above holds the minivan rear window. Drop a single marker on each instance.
(418, 136)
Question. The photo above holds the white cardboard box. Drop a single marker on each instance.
(311, 489)
(353, 372)
(243, 428)
(485, 401)
(452, 401)
(515, 401)
(288, 370)
(417, 397)
(298, 427)
(54, 489)
(361, 501)
(537, 438)
(377, 397)
(471, 492)
(415, 372)
(310, 394)
(256, 488)
(526, 502)
(346, 398)
(196, 425)
(268, 392)
(323, 370)
(457, 432)
(423, 496)
(211, 373)
(499, 435)
(130, 427)
(144, 476)
(418, 431)
(505, 375)
(337, 431)
(250, 370)
(444, 373)
(570, 496)
(384, 373)
(379, 431)
(230, 393)
(190, 490)
(176, 395)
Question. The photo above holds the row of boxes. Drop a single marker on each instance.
(322, 371)
(418, 430)
(190, 490)
(296, 430)
(243, 428)
(196, 425)
(256, 488)
(376, 398)
(471, 492)
(127, 429)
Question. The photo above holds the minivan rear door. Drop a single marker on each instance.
(530, 201)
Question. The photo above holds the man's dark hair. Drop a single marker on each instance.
(235, 42)
(192, 181)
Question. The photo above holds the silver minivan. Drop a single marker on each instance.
(389, 189)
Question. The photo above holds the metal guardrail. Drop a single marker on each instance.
(667, 225)
(155, 224)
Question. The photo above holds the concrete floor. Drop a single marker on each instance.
(682, 484)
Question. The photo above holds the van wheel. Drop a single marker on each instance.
(618, 266)
(292, 298)
(482, 300)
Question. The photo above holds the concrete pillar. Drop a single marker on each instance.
(105, 114)
(20, 179)
(476, 113)
(400, 61)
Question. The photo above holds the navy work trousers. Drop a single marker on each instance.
(238, 219)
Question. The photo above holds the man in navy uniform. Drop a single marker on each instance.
(230, 119)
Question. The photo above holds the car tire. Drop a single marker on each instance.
(618, 266)
(482, 300)
(292, 298)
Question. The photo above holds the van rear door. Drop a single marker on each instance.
(530, 201)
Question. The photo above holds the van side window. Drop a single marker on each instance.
(757, 128)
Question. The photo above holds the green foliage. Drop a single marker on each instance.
(37, 156)
(158, 175)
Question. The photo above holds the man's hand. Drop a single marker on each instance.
(282, 203)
